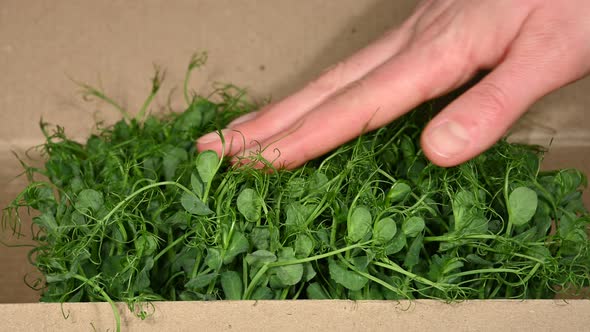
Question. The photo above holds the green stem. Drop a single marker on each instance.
(451, 238)
(172, 245)
(418, 202)
(94, 92)
(254, 282)
(142, 112)
(491, 270)
(285, 293)
(396, 268)
(169, 281)
(333, 232)
(509, 226)
(196, 267)
(171, 255)
(372, 278)
(296, 296)
(187, 76)
(105, 296)
(267, 266)
(534, 259)
(208, 185)
(139, 191)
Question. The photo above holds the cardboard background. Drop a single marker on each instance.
(270, 47)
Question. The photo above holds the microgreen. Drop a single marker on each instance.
(136, 214)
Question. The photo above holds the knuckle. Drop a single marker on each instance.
(440, 22)
(446, 71)
(491, 99)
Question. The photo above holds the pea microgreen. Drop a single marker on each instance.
(136, 214)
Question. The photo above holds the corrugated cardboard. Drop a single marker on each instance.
(269, 47)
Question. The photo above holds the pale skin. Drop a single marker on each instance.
(531, 47)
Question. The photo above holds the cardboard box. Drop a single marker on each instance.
(271, 48)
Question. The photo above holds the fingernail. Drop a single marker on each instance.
(243, 118)
(448, 139)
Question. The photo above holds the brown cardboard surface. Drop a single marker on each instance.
(270, 47)
(423, 315)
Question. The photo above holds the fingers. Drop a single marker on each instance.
(392, 89)
(482, 115)
(423, 59)
(277, 117)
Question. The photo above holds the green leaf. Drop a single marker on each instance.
(322, 236)
(441, 266)
(197, 184)
(568, 180)
(185, 260)
(398, 193)
(463, 205)
(250, 204)
(317, 183)
(540, 252)
(407, 147)
(345, 277)
(468, 216)
(194, 205)
(260, 257)
(201, 281)
(89, 199)
(239, 244)
(315, 292)
(296, 215)
(47, 223)
(142, 280)
(475, 259)
(54, 278)
(309, 272)
(262, 293)
(213, 259)
(359, 224)
(291, 274)
(384, 230)
(232, 286)
(172, 158)
(207, 164)
(397, 244)
(413, 226)
(190, 119)
(375, 294)
(361, 263)
(180, 220)
(522, 204)
(303, 246)
(413, 256)
(295, 187)
(260, 238)
(147, 244)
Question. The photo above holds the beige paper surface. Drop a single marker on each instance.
(422, 315)
(269, 47)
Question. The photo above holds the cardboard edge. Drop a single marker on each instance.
(297, 315)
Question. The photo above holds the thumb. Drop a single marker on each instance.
(481, 116)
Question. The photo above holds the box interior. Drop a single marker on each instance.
(271, 48)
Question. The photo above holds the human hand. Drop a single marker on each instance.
(532, 47)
